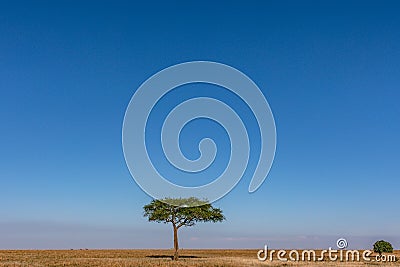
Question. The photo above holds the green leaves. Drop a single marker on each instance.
(182, 211)
(382, 246)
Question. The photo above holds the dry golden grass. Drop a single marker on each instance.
(152, 258)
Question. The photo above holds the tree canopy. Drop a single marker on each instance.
(180, 213)
(382, 246)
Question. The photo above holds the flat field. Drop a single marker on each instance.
(150, 258)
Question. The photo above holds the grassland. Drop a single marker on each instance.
(151, 258)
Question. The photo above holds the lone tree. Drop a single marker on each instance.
(382, 246)
(181, 212)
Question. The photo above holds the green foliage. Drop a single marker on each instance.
(382, 246)
(182, 211)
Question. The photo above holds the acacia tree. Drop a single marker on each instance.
(382, 246)
(181, 212)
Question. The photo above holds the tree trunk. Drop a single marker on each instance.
(176, 246)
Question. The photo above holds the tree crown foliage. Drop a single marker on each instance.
(382, 246)
(182, 211)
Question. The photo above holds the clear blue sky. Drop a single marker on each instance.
(330, 71)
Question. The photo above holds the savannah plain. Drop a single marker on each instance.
(153, 257)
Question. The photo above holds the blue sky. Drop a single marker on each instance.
(330, 71)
